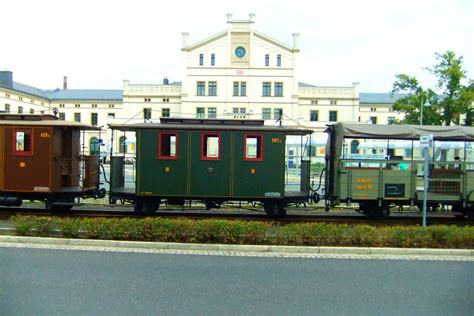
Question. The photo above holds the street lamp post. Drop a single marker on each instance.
(427, 104)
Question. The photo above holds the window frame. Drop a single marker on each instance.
(170, 133)
(266, 89)
(212, 88)
(316, 115)
(335, 113)
(203, 112)
(213, 59)
(254, 135)
(203, 139)
(278, 60)
(22, 153)
(278, 89)
(201, 59)
(200, 88)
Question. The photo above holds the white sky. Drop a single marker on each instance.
(97, 43)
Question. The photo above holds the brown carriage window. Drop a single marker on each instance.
(23, 141)
(210, 146)
(168, 145)
(253, 149)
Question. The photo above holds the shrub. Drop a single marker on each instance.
(246, 232)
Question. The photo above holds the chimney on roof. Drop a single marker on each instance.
(65, 83)
(185, 38)
(6, 78)
(166, 81)
(296, 37)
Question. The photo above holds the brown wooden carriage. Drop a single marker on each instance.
(42, 158)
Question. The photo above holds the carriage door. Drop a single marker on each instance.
(210, 164)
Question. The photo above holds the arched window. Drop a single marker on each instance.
(94, 146)
(122, 145)
(354, 147)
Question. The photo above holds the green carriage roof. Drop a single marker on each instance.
(212, 124)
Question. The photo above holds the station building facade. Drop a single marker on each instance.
(238, 73)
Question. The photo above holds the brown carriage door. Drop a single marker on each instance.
(27, 159)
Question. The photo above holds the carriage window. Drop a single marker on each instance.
(168, 146)
(253, 147)
(23, 142)
(210, 146)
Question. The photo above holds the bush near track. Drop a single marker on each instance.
(243, 232)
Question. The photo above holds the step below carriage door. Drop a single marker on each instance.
(162, 163)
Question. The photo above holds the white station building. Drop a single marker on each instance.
(237, 73)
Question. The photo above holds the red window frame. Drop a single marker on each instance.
(22, 153)
(160, 154)
(261, 147)
(203, 143)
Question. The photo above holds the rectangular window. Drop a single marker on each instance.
(147, 113)
(278, 60)
(111, 115)
(32, 111)
(278, 89)
(168, 145)
(7, 108)
(62, 116)
(277, 113)
(201, 88)
(267, 60)
(333, 102)
(253, 147)
(94, 119)
(200, 112)
(332, 116)
(77, 117)
(243, 111)
(390, 119)
(212, 112)
(235, 110)
(201, 59)
(373, 119)
(266, 113)
(165, 112)
(213, 59)
(267, 89)
(313, 116)
(210, 146)
(243, 89)
(212, 88)
(236, 89)
(20, 110)
(314, 101)
(23, 141)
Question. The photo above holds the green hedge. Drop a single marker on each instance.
(246, 232)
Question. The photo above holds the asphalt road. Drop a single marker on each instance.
(60, 282)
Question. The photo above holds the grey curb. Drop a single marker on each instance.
(237, 248)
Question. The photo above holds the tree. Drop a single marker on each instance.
(412, 102)
(455, 98)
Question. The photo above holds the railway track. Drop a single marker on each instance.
(295, 215)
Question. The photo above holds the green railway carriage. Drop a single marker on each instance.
(378, 166)
(209, 160)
